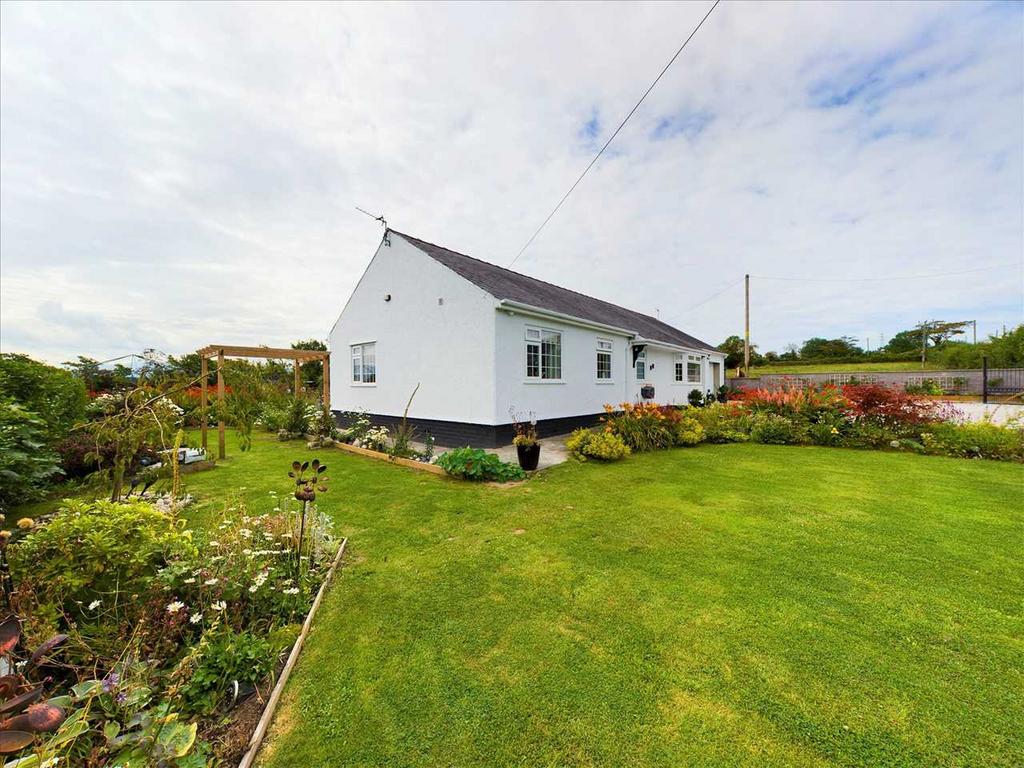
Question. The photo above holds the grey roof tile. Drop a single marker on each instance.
(505, 284)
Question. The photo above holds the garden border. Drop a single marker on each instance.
(256, 741)
(421, 465)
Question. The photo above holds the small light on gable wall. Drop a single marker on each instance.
(387, 297)
(440, 301)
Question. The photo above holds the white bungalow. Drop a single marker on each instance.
(481, 340)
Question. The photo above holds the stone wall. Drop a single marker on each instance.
(965, 382)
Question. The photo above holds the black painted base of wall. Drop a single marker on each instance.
(452, 434)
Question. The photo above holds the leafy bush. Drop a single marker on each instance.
(376, 439)
(776, 429)
(223, 658)
(643, 426)
(980, 439)
(54, 393)
(25, 461)
(722, 423)
(97, 551)
(476, 464)
(358, 424)
(925, 387)
(687, 431)
(695, 398)
(323, 424)
(78, 454)
(604, 445)
(891, 407)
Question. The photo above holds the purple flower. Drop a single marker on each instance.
(110, 682)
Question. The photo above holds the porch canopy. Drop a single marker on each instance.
(220, 351)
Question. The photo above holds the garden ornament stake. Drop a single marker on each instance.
(306, 488)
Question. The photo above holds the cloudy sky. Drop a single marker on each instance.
(175, 175)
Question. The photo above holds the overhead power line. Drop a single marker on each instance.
(885, 279)
(616, 133)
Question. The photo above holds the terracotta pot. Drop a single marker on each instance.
(529, 455)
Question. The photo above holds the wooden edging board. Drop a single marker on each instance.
(421, 465)
(268, 712)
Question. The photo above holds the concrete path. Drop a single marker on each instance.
(552, 452)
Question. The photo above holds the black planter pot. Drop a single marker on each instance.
(529, 455)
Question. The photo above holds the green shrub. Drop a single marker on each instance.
(225, 657)
(26, 463)
(775, 429)
(604, 445)
(97, 550)
(55, 394)
(687, 431)
(722, 423)
(476, 464)
(980, 439)
(643, 426)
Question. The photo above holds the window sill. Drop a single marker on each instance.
(603, 381)
(544, 381)
(361, 384)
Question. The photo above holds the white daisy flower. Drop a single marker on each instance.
(174, 607)
(94, 605)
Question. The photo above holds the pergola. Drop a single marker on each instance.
(220, 351)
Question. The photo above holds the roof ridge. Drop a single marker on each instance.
(531, 277)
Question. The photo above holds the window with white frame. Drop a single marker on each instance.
(693, 368)
(364, 363)
(604, 360)
(679, 365)
(641, 363)
(543, 354)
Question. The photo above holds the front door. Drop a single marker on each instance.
(716, 375)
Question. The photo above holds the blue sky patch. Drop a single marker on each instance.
(688, 123)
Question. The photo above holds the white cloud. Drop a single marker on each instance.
(175, 175)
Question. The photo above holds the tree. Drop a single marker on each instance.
(54, 394)
(818, 348)
(312, 374)
(130, 422)
(733, 348)
(904, 341)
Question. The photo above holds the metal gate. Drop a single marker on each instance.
(1000, 382)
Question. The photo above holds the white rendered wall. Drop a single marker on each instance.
(448, 348)
(667, 390)
(578, 393)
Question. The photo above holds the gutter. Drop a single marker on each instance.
(634, 337)
(527, 309)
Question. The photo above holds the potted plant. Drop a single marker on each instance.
(525, 441)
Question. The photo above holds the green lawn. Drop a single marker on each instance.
(794, 370)
(723, 605)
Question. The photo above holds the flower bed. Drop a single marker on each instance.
(165, 631)
(855, 416)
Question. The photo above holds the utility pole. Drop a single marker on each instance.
(746, 326)
(924, 343)
(974, 323)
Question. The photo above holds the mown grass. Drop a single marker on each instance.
(724, 605)
(795, 370)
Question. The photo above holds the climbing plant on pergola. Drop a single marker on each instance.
(220, 351)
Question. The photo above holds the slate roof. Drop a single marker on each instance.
(505, 284)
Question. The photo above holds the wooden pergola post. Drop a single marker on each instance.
(204, 371)
(220, 405)
(298, 356)
(327, 382)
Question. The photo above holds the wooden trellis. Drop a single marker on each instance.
(220, 351)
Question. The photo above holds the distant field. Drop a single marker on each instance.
(838, 368)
